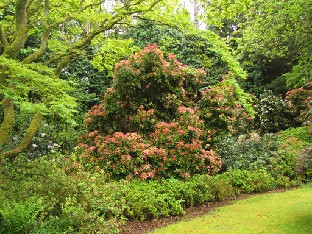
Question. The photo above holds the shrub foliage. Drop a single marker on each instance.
(158, 120)
(67, 199)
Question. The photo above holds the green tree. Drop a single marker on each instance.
(89, 82)
(277, 33)
(52, 32)
(33, 89)
(190, 49)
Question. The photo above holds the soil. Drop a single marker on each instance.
(137, 227)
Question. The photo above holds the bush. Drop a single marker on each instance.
(273, 113)
(41, 196)
(304, 164)
(154, 199)
(300, 100)
(151, 200)
(247, 151)
(182, 139)
(244, 181)
(155, 122)
(303, 134)
(225, 109)
(20, 217)
(146, 84)
(250, 152)
(174, 150)
(70, 202)
(192, 192)
(297, 142)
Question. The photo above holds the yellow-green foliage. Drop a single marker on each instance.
(296, 139)
(34, 87)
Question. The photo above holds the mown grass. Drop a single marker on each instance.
(285, 212)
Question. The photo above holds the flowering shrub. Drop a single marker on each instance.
(223, 109)
(186, 154)
(301, 101)
(273, 113)
(144, 120)
(119, 154)
(155, 122)
(146, 84)
(172, 150)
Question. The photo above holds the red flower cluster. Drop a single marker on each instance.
(222, 111)
(301, 101)
(172, 150)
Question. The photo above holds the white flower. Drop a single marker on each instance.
(43, 134)
(34, 145)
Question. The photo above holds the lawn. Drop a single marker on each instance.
(285, 212)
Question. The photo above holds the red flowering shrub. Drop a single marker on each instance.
(186, 154)
(154, 122)
(173, 150)
(225, 109)
(301, 101)
(144, 120)
(122, 155)
(145, 83)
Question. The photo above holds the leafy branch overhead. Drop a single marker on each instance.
(38, 39)
(83, 19)
(35, 35)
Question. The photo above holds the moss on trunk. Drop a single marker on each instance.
(12, 50)
(8, 120)
(29, 135)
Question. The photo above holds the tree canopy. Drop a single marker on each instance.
(268, 31)
(39, 38)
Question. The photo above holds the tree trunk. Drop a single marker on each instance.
(45, 35)
(12, 50)
(29, 135)
(8, 120)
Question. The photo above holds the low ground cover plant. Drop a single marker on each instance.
(66, 198)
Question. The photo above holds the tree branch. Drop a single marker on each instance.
(44, 37)
(8, 120)
(159, 22)
(47, 29)
(21, 29)
(3, 37)
(90, 5)
(29, 135)
(106, 25)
